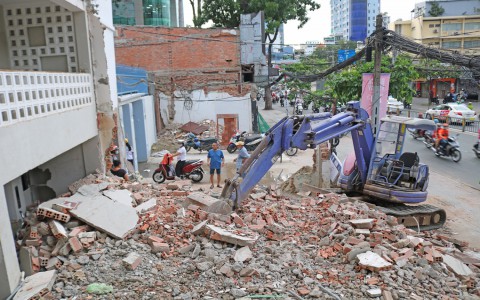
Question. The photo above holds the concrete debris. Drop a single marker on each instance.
(373, 261)
(243, 254)
(456, 266)
(185, 248)
(208, 203)
(146, 206)
(36, 286)
(121, 196)
(113, 218)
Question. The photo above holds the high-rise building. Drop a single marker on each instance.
(168, 13)
(353, 19)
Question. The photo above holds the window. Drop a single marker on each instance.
(431, 26)
(451, 45)
(472, 26)
(452, 27)
(471, 44)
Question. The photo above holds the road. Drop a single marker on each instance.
(466, 171)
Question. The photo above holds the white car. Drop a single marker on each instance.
(393, 105)
(455, 112)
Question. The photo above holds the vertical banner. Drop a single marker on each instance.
(367, 93)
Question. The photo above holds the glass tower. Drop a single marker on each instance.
(145, 12)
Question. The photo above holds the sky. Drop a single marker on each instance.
(318, 26)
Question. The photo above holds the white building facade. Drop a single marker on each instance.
(58, 107)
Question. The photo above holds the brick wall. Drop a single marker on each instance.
(183, 58)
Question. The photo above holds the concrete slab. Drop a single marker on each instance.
(92, 190)
(146, 206)
(38, 285)
(456, 266)
(220, 234)
(26, 261)
(120, 196)
(208, 203)
(111, 217)
(373, 261)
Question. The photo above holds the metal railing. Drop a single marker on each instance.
(28, 95)
(459, 123)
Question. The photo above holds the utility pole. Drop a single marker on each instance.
(376, 75)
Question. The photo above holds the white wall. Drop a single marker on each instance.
(208, 106)
(33, 142)
(150, 127)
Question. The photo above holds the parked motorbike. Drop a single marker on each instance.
(251, 141)
(407, 105)
(192, 170)
(299, 109)
(434, 100)
(282, 100)
(315, 110)
(476, 149)
(451, 149)
(199, 144)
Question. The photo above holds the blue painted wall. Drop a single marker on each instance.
(131, 80)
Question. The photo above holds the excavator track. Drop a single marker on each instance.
(418, 217)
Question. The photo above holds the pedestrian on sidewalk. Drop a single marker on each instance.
(216, 161)
(242, 155)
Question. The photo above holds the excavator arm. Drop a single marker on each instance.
(302, 132)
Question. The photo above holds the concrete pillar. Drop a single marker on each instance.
(9, 268)
(139, 20)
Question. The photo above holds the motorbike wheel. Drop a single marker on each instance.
(196, 176)
(456, 155)
(291, 151)
(187, 148)
(231, 148)
(477, 153)
(158, 177)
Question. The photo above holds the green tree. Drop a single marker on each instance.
(436, 10)
(277, 12)
(223, 13)
(346, 85)
(198, 19)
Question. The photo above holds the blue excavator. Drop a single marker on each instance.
(378, 169)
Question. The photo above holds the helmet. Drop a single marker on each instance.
(126, 140)
(435, 121)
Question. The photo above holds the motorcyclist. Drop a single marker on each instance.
(420, 132)
(442, 137)
(182, 158)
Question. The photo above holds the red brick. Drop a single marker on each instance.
(237, 220)
(154, 239)
(160, 247)
(179, 193)
(75, 244)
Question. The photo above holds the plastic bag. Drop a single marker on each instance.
(99, 288)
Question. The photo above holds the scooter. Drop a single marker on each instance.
(476, 149)
(299, 109)
(251, 141)
(192, 170)
(451, 149)
(315, 110)
(282, 101)
(199, 144)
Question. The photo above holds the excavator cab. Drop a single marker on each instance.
(394, 175)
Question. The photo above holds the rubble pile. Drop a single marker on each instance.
(186, 244)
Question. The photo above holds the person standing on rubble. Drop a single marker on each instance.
(182, 158)
(216, 161)
(242, 155)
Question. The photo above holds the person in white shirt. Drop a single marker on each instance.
(181, 160)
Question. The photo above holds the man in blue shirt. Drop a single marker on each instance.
(242, 155)
(216, 160)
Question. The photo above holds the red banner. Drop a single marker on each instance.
(367, 93)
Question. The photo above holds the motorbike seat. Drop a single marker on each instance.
(189, 162)
(251, 138)
(208, 140)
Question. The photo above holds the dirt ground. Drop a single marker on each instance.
(459, 200)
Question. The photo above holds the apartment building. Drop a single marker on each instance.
(58, 107)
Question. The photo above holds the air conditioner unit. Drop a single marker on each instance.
(435, 31)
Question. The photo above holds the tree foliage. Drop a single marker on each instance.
(347, 84)
(436, 10)
(431, 68)
(223, 13)
(198, 19)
